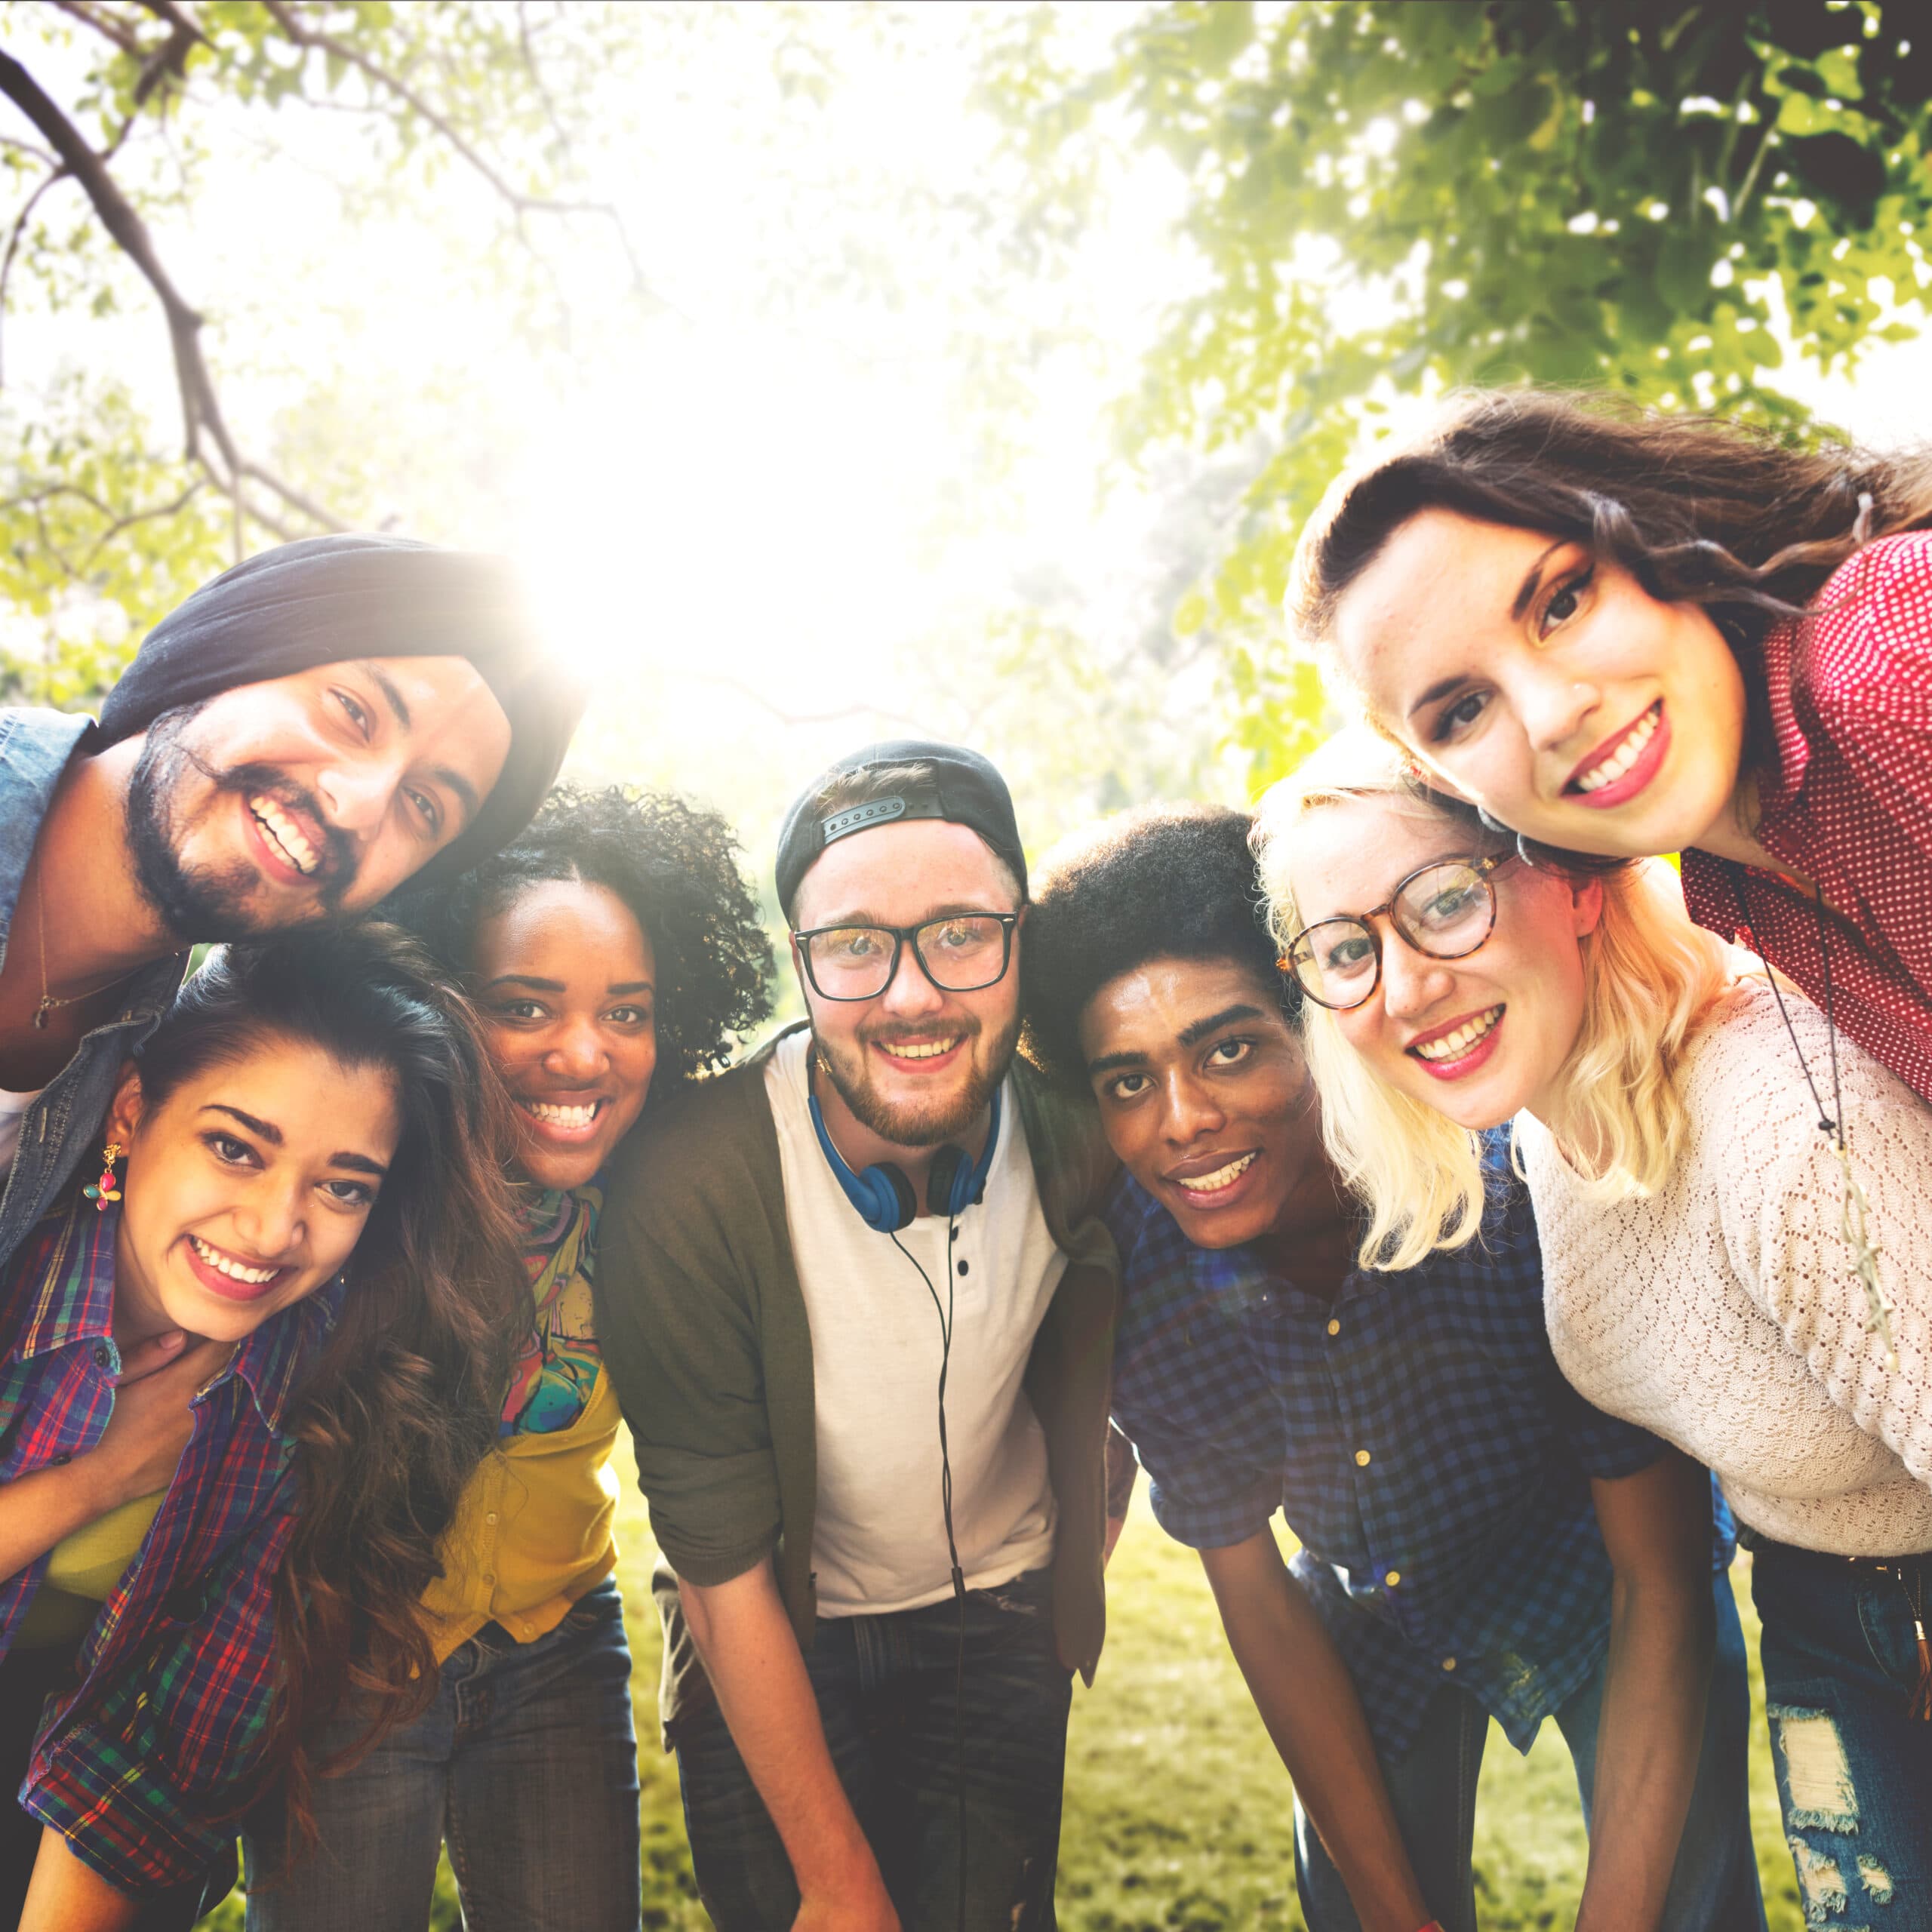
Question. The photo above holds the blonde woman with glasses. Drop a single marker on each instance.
(1723, 1265)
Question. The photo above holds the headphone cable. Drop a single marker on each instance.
(952, 1547)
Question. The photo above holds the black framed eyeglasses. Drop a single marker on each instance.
(959, 954)
(1444, 910)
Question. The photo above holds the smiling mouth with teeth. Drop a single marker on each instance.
(283, 835)
(1626, 754)
(1222, 1177)
(1453, 1046)
(919, 1050)
(554, 1114)
(226, 1264)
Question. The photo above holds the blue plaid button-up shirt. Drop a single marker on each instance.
(1415, 1432)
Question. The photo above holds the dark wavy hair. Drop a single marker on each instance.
(1164, 882)
(674, 866)
(1698, 508)
(401, 1405)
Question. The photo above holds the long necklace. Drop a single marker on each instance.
(1856, 1223)
(48, 1003)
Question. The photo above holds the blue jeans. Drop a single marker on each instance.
(1854, 1772)
(1714, 1887)
(526, 1762)
(885, 1686)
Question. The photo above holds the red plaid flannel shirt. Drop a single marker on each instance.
(144, 1759)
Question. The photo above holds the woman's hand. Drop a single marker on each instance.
(152, 1420)
(136, 1454)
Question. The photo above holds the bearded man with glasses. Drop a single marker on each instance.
(859, 1308)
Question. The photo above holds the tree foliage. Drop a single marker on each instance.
(119, 111)
(1388, 196)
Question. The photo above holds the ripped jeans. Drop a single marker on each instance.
(1854, 1772)
(885, 1686)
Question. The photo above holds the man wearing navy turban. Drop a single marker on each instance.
(305, 733)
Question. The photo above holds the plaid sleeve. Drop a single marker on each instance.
(147, 1787)
(1201, 1495)
(1607, 1447)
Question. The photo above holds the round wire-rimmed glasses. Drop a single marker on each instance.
(960, 954)
(1445, 910)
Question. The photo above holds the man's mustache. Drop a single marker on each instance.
(887, 1032)
(337, 869)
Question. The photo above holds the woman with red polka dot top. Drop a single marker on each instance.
(1631, 634)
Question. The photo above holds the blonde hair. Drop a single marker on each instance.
(1649, 976)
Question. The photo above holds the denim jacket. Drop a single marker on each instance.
(60, 1131)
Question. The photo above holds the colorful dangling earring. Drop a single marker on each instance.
(106, 1188)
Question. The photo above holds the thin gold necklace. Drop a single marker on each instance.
(48, 1003)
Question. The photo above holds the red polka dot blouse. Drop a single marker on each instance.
(1850, 805)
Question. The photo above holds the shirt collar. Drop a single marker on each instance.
(1791, 750)
(272, 1362)
(68, 1261)
(66, 1266)
(35, 747)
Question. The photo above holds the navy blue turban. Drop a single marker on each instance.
(328, 600)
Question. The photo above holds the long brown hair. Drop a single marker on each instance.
(1698, 508)
(401, 1405)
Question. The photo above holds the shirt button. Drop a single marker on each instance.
(1448, 1663)
(489, 1577)
(1361, 1459)
(962, 1267)
(61, 1461)
(491, 1518)
(1334, 1327)
(103, 1356)
(1394, 1577)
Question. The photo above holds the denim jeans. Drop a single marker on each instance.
(526, 1762)
(1854, 1772)
(1714, 1887)
(885, 1690)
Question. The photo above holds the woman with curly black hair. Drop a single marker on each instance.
(613, 943)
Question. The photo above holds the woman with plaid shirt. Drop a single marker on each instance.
(264, 1262)
(1476, 1541)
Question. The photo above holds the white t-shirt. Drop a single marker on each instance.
(879, 1541)
(13, 1111)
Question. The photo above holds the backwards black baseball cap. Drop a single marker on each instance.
(964, 789)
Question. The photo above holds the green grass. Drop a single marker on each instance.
(1178, 1812)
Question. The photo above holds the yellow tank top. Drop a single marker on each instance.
(82, 1570)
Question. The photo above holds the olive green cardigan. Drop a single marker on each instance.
(703, 1328)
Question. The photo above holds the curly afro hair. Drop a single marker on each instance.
(676, 867)
(1164, 882)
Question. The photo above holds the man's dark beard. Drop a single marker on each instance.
(197, 903)
(934, 1126)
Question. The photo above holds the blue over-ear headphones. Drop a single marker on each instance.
(883, 1196)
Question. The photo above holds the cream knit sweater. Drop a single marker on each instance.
(1721, 1312)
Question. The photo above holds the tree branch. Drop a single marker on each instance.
(527, 42)
(200, 404)
(170, 60)
(520, 204)
(103, 24)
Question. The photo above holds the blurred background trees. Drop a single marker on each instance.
(848, 370)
